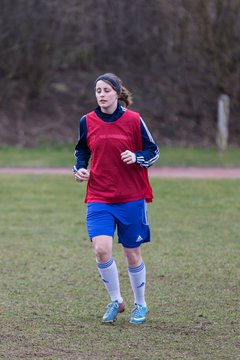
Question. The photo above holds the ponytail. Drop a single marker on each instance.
(125, 96)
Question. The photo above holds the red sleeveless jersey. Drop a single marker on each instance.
(111, 180)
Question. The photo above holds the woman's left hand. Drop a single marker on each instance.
(128, 157)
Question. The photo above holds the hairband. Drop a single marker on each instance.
(115, 85)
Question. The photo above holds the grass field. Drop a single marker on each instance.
(63, 156)
(52, 298)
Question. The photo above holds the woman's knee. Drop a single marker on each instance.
(133, 256)
(102, 246)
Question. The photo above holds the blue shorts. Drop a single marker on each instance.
(129, 218)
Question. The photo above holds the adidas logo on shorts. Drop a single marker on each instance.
(139, 238)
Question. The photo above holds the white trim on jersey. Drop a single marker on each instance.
(147, 131)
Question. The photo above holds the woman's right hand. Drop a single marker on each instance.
(82, 175)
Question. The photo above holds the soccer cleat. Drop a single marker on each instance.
(113, 309)
(138, 314)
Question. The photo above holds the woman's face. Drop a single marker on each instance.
(107, 97)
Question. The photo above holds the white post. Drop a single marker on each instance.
(223, 117)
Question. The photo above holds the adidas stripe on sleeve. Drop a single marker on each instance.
(150, 152)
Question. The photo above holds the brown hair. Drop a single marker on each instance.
(124, 94)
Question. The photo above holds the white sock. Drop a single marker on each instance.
(137, 277)
(109, 275)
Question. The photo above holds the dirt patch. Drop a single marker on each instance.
(195, 172)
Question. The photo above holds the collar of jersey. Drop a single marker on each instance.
(120, 110)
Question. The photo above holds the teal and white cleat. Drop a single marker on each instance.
(138, 314)
(112, 311)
